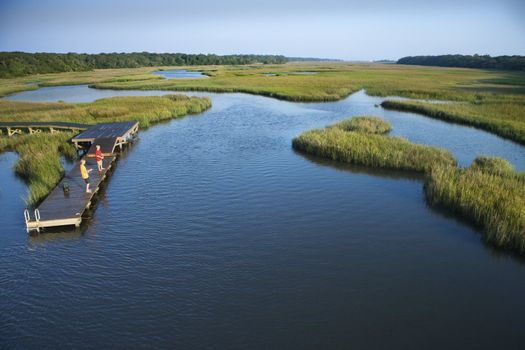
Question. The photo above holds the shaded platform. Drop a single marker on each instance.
(122, 132)
(61, 208)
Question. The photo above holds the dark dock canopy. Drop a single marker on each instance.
(107, 130)
(121, 132)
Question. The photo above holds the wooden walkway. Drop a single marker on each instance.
(12, 128)
(64, 208)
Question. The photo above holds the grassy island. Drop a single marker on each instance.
(361, 141)
(489, 193)
(39, 163)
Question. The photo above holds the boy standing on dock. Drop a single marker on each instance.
(85, 174)
(99, 156)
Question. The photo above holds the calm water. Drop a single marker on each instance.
(213, 233)
(180, 74)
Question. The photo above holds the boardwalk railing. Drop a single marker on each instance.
(13, 128)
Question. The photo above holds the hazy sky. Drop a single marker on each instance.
(345, 29)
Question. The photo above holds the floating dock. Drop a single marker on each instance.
(67, 202)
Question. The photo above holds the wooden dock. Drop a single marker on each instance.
(65, 207)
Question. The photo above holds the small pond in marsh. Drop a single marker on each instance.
(180, 74)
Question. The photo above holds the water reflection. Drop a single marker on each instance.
(441, 211)
(360, 169)
(55, 234)
(180, 74)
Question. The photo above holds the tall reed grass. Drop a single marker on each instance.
(489, 195)
(39, 162)
(145, 109)
(493, 165)
(365, 124)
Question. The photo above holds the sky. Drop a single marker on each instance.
(340, 29)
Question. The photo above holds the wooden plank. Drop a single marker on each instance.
(54, 223)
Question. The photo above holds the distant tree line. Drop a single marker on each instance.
(468, 61)
(16, 64)
(385, 61)
(313, 59)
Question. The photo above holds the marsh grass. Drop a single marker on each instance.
(487, 193)
(366, 124)
(146, 109)
(39, 160)
(493, 165)
(370, 149)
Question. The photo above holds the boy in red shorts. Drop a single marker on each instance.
(99, 156)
